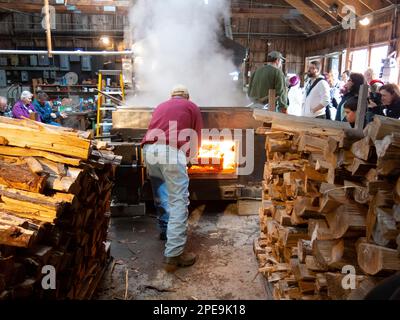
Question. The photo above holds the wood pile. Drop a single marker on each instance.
(331, 207)
(54, 210)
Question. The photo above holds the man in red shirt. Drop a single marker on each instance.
(172, 139)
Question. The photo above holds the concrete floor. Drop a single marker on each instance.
(226, 267)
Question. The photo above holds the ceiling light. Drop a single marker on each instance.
(365, 22)
(105, 40)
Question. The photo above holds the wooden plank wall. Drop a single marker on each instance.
(292, 49)
(379, 31)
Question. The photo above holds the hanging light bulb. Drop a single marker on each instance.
(365, 22)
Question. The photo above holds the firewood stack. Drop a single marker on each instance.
(54, 202)
(331, 205)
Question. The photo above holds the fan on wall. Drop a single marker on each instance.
(71, 78)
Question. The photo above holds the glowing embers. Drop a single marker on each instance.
(216, 157)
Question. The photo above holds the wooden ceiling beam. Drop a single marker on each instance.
(262, 13)
(360, 8)
(37, 8)
(310, 14)
(375, 4)
(325, 8)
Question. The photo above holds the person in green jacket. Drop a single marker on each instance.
(269, 76)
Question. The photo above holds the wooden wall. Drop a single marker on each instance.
(380, 31)
(25, 31)
(292, 49)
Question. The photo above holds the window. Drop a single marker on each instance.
(377, 55)
(359, 61)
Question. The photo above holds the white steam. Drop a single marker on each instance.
(176, 42)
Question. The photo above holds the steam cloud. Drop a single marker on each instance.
(176, 42)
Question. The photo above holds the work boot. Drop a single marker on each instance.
(184, 260)
(163, 235)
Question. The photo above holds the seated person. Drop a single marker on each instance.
(4, 112)
(23, 108)
(45, 110)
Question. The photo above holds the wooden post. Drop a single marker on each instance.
(272, 100)
(48, 28)
(361, 108)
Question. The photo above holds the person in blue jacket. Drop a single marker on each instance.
(44, 109)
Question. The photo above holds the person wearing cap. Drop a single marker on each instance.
(23, 108)
(172, 139)
(268, 77)
(317, 93)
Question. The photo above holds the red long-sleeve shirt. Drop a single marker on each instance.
(171, 118)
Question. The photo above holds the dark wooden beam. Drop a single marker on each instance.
(37, 8)
(262, 13)
(310, 14)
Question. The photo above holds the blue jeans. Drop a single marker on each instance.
(166, 167)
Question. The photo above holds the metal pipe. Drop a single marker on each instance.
(69, 53)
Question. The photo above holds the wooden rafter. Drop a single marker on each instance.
(310, 14)
(94, 8)
(361, 9)
(374, 4)
(262, 13)
(325, 8)
(297, 26)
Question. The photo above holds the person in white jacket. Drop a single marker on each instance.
(317, 93)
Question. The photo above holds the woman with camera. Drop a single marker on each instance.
(388, 103)
(355, 81)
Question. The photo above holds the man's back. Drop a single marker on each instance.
(172, 117)
(264, 79)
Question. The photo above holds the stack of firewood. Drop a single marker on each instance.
(330, 207)
(54, 210)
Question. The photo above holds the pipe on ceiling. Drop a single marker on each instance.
(69, 53)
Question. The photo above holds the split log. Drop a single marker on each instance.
(385, 229)
(388, 167)
(43, 138)
(281, 146)
(321, 284)
(335, 286)
(360, 167)
(363, 149)
(304, 208)
(14, 232)
(332, 197)
(289, 236)
(303, 249)
(347, 221)
(35, 206)
(334, 254)
(26, 152)
(389, 147)
(313, 264)
(277, 168)
(381, 127)
(34, 165)
(20, 176)
(282, 122)
(61, 177)
(311, 143)
(374, 259)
